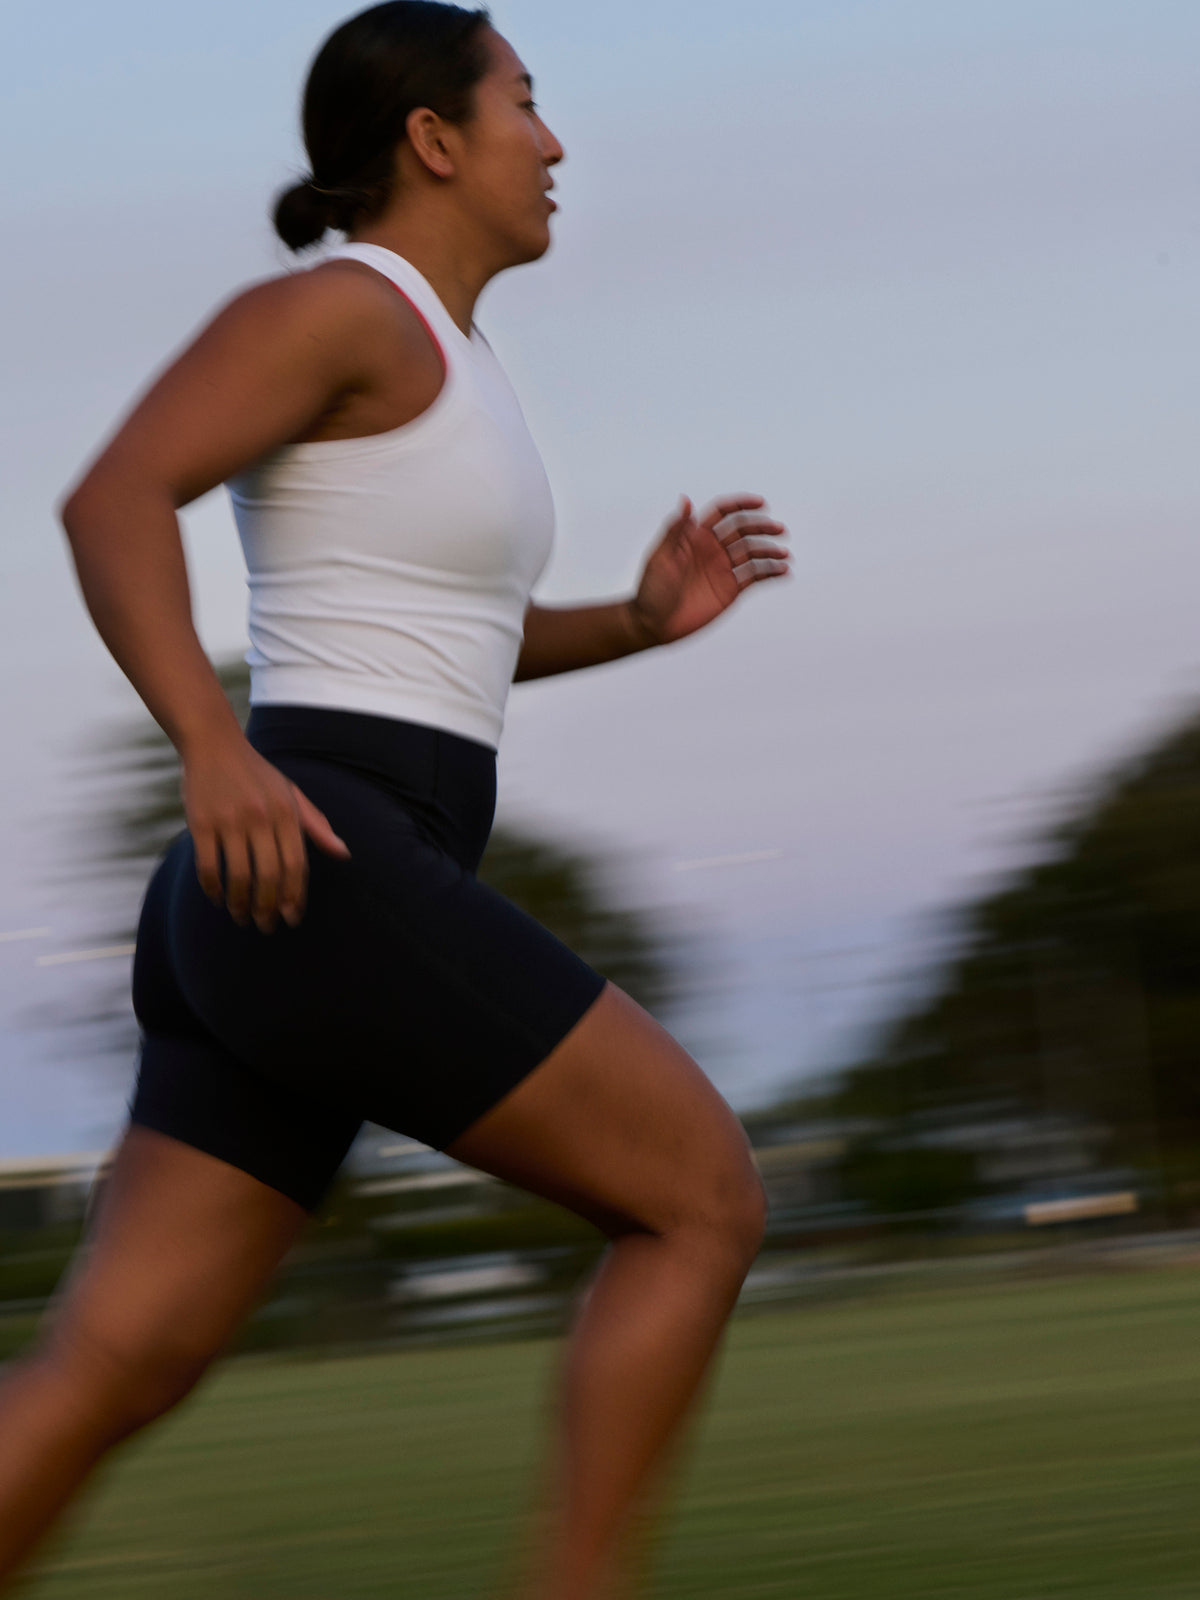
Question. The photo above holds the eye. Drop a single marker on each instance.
(530, 105)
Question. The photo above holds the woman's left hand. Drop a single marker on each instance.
(701, 564)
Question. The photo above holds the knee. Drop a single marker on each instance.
(125, 1382)
(730, 1208)
(748, 1224)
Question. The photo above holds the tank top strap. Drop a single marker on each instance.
(415, 288)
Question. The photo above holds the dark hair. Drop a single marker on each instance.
(365, 79)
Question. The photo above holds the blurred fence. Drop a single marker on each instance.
(413, 1247)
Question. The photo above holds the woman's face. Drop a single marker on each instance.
(507, 153)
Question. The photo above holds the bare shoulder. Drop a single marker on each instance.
(341, 301)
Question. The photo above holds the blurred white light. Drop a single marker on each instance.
(87, 955)
(727, 861)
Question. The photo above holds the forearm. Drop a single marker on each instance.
(565, 638)
(132, 572)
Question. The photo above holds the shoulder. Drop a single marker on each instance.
(340, 302)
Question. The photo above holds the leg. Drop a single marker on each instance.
(179, 1248)
(621, 1125)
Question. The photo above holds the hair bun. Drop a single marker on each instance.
(302, 215)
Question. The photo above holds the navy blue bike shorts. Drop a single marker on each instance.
(410, 994)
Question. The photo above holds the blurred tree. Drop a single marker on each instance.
(130, 775)
(1073, 991)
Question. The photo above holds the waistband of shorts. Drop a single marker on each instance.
(362, 739)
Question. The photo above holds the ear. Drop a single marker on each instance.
(427, 135)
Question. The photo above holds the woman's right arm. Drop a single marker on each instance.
(267, 366)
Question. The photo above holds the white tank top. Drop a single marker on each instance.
(390, 574)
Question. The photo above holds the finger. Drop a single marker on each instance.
(316, 824)
(237, 876)
(742, 522)
(681, 521)
(754, 571)
(208, 863)
(293, 857)
(727, 504)
(744, 549)
(264, 892)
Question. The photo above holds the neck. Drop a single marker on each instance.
(452, 266)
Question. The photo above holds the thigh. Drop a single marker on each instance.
(620, 1124)
(190, 1085)
(179, 1248)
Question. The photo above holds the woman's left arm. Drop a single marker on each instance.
(695, 572)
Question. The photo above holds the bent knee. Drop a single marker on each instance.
(727, 1208)
(744, 1211)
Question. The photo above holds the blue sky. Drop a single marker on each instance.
(924, 274)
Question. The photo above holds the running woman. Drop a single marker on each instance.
(314, 948)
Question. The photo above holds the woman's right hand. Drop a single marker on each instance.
(242, 809)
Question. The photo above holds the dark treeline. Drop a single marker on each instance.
(1072, 994)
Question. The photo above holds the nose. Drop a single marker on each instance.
(552, 151)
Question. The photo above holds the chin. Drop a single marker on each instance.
(521, 249)
(536, 237)
(536, 246)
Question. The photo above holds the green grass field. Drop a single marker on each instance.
(1003, 1442)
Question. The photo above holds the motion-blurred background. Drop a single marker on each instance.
(906, 848)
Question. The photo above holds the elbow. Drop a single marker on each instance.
(102, 493)
(69, 513)
(76, 507)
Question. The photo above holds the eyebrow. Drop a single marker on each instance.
(523, 77)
